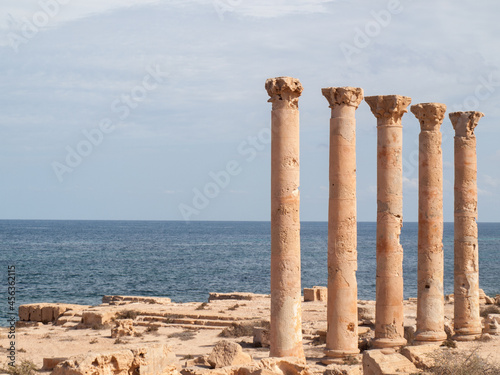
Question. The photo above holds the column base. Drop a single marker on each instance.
(388, 343)
(332, 354)
(429, 337)
(467, 334)
(462, 337)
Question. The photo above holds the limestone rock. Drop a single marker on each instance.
(449, 330)
(198, 361)
(147, 360)
(50, 363)
(366, 312)
(123, 300)
(123, 327)
(421, 355)
(228, 353)
(491, 324)
(343, 370)
(261, 337)
(409, 334)
(45, 312)
(283, 366)
(316, 293)
(236, 296)
(375, 362)
(91, 318)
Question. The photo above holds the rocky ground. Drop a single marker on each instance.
(188, 333)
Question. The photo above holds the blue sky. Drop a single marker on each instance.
(156, 110)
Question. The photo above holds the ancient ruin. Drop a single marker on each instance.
(286, 316)
(467, 319)
(389, 325)
(342, 311)
(430, 301)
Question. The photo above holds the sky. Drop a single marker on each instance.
(156, 110)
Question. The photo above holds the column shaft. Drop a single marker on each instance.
(389, 314)
(342, 311)
(286, 317)
(430, 301)
(466, 309)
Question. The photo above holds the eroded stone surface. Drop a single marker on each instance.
(430, 301)
(466, 284)
(342, 333)
(228, 353)
(121, 300)
(286, 316)
(123, 327)
(45, 312)
(147, 360)
(316, 293)
(389, 325)
(284, 92)
(375, 362)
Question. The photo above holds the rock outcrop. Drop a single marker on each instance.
(228, 353)
(148, 360)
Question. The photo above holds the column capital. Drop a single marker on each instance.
(465, 122)
(391, 107)
(284, 92)
(430, 115)
(350, 96)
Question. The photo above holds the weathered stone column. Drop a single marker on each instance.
(389, 315)
(286, 315)
(467, 319)
(430, 301)
(342, 311)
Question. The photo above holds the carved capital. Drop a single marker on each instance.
(430, 115)
(388, 107)
(284, 92)
(465, 122)
(350, 96)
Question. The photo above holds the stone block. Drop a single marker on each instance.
(375, 362)
(91, 318)
(422, 356)
(123, 327)
(228, 353)
(409, 334)
(47, 314)
(35, 313)
(50, 363)
(145, 360)
(24, 312)
(261, 337)
(316, 293)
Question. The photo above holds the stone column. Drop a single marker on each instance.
(467, 319)
(389, 315)
(286, 316)
(430, 301)
(342, 311)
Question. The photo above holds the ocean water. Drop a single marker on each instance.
(80, 261)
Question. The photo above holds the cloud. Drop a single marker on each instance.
(410, 183)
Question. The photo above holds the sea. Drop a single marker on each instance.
(80, 261)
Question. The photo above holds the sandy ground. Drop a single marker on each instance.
(190, 340)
